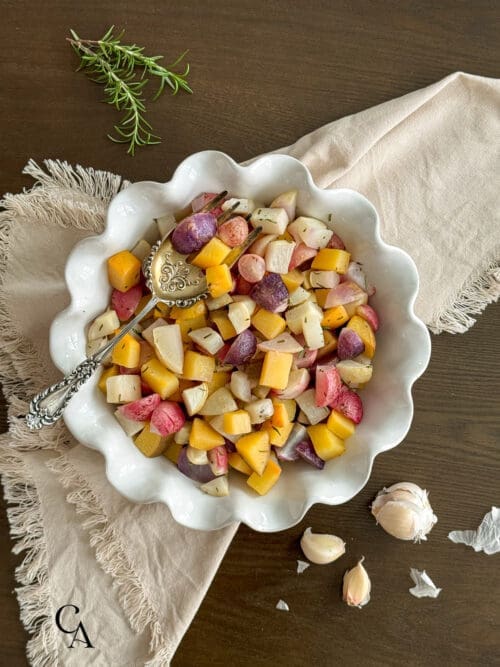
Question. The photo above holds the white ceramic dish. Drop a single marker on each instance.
(403, 346)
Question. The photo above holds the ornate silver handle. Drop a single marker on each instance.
(48, 406)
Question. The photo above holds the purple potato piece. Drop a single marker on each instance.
(193, 232)
(271, 293)
(202, 473)
(289, 450)
(349, 344)
(242, 348)
(230, 446)
(306, 451)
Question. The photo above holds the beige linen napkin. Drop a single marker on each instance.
(429, 161)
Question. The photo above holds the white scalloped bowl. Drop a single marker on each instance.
(403, 346)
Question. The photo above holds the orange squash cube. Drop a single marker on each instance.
(212, 254)
(269, 324)
(127, 352)
(124, 271)
(264, 483)
(198, 367)
(331, 259)
(199, 308)
(326, 444)
(365, 332)
(236, 462)
(150, 444)
(340, 425)
(203, 436)
(276, 369)
(160, 379)
(255, 450)
(334, 317)
(219, 280)
(107, 373)
(221, 320)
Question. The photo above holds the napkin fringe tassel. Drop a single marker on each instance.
(26, 527)
(113, 559)
(482, 288)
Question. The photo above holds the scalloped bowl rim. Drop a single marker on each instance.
(140, 479)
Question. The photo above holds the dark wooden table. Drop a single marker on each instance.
(265, 73)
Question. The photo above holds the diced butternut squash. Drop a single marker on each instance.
(219, 280)
(237, 422)
(330, 345)
(124, 270)
(278, 435)
(334, 317)
(127, 352)
(340, 425)
(236, 462)
(365, 332)
(255, 449)
(326, 444)
(331, 259)
(163, 308)
(269, 324)
(321, 295)
(198, 367)
(172, 452)
(107, 373)
(212, 254)
(160, 379)
(280, 415)
(199, 308)
(150, 444)
(186, 326)
(223, 323)
(203, 436)
(292, 280)
(219, 379)
(264, 483)
(276, 369)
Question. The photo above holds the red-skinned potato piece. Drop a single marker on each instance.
(300, 255)
(217, 458)
(125, 303)
(297, 384)
(259, 246)
(193, 232)
(344, 293)
(306, 452)
(370, 315)
(142, 409)
(242, 286)
(349, 344)
(349, 404)
(167, 418)
(328, 385)
(233, 232)
(336, 242)
(242, 349)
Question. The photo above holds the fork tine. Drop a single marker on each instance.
(225, 215)
(237, 252)
(213, 202)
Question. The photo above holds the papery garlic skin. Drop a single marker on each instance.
(357, 586)
(321, 548)
(403, 511)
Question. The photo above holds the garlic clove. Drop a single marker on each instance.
(321, 548)
(403, 511)
(357, 586)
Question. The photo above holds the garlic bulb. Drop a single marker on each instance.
(403, 511)
(357, 586)
(321, 548)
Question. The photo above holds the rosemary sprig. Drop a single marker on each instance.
(122, 69)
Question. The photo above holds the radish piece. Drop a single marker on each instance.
(324, 279)
(298, 382)
(349, 404)
(288, 201)
(370, 315)
(289, 450)
(260, 410)
(328, 385)
(278, 256)
(306, 451)
(251, 267)
(305, 359)
(242, 286)
(240, 386)
(202, 200)
(218, 487)
(104, 325)
(167, 418)
(243, 206)
(233, 232)
(349, 344)
(271, 293)
(336, 242)
(355, 274)
(198, 473)
(271, 220)
(282, 343)
(259, 246)
(142, 409)
(217, 458)
(300, 255)
(346, 292)
(307, 403)
(130, 426)
(147, 333)
(242, 349)
(125, 303)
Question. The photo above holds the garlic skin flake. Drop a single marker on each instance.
(403, 511)
(282, 606)
(486, 538)
(424, 586)
(357, 586)
(321, 548)
(302, 565)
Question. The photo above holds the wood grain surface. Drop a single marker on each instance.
(264, 73)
